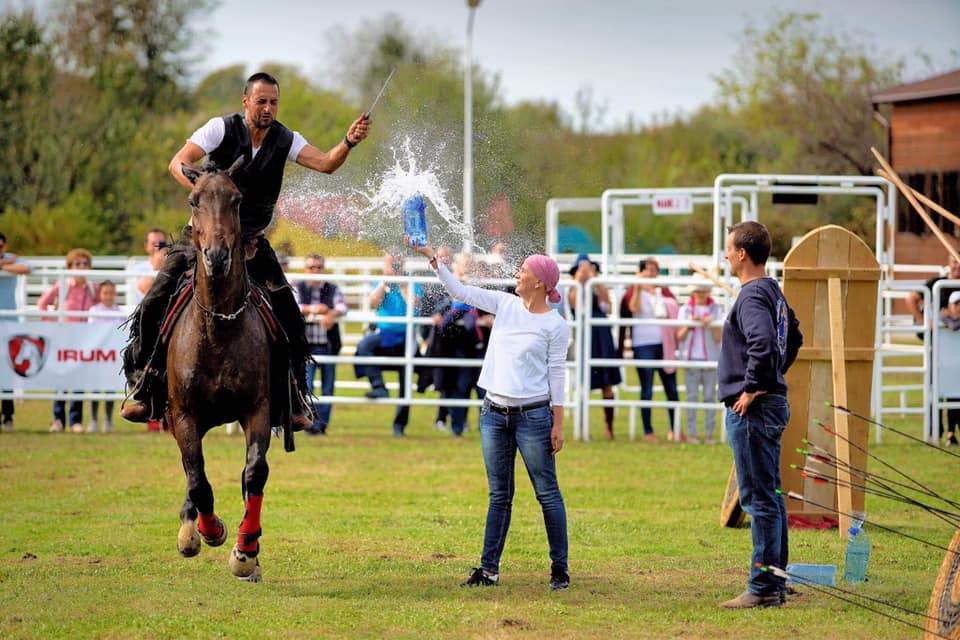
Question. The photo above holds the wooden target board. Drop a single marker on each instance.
(731, 513)
(945, 599)
(830, 280)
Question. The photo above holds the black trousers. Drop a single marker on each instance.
(264, 269)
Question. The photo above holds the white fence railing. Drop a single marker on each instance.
(896, 358)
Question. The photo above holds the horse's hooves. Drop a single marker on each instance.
(188, 540)
(219, 540)
(243, 566)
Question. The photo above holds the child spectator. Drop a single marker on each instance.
(701, 343)
(108, 303)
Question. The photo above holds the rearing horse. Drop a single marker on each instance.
(218, 371)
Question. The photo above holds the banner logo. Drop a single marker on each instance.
(27, 354)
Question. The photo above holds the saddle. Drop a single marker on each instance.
(184, 294)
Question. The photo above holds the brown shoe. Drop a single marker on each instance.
(300, 422)
(747, 600)
(135, 412)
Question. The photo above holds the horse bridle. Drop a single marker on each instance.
(225, 316)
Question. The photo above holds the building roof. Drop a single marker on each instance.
(945, 84)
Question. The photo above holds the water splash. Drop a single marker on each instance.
(386, 191)
(348, 207)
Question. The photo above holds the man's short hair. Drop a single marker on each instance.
(155, 230)
(260, 76)
(753, 238)
(315, 257)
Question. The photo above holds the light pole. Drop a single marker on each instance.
(468, 131)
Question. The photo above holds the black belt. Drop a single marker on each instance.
(493, 406)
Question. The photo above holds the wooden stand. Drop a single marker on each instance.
(830, 280)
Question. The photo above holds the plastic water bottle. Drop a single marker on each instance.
(801, 574)
(415, 220)
(858, 553)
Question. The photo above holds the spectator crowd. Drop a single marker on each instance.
(455, 331)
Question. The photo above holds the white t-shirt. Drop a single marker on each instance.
(646, 334)
(527, 352)
(137, 271)
(209, 136)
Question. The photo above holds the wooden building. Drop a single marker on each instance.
(924, 148)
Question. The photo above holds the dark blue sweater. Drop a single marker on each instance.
(761, 338)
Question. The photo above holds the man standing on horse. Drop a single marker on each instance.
(266, 146)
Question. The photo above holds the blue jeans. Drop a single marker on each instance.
(500, 437)
(461, 391)
(76, 412)
(328, 375)
(669, 380)
(371, 345)
(755, 441)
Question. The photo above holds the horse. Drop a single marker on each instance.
(218, 370)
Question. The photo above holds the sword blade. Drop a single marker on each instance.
(382, 89)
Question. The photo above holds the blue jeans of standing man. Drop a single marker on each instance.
(372, 345)
(465, 378)
(328, 375)
(755, 441)
(500, 436)
(669, 381)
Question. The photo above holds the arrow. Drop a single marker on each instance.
(797, 496)
(891, 429)
(836, 591)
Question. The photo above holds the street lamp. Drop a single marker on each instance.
(468, 131)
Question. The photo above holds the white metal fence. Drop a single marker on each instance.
(896, 358)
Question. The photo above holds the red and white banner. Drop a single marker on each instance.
(55, 356)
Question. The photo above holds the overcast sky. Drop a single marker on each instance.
(638, 56)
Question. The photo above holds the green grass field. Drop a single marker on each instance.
(368, 536)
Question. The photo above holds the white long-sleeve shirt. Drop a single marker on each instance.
(527, 351)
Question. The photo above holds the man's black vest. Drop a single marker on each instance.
(327, 291)
(261, 177)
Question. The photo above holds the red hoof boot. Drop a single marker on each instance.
(213, 533)
(135, 412)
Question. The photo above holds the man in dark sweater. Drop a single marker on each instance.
(761, 338)
(267, 147)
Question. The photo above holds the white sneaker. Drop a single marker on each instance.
(56, 426)
(92, 426)
(107, 425)
(76, 428)
(440, 425)
(8, 424)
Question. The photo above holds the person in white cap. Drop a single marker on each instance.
(700, 344)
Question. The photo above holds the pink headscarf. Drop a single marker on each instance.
(547, 271)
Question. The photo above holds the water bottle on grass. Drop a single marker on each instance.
(801, 574)
(858, 552)
(414, 211)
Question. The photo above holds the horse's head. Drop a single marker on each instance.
(215, 201)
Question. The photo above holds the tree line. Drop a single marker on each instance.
(95, 100)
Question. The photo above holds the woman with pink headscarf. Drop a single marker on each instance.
(523, 375)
